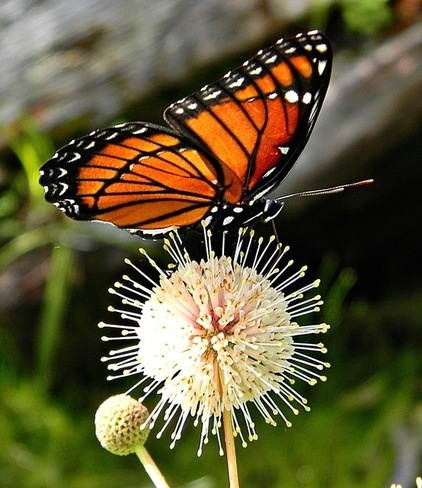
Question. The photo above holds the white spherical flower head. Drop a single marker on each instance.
(118, 422)
(213, 335)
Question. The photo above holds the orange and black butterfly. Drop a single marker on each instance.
(228, 145)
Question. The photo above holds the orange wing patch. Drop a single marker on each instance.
(118, 171)
(303, 66)
(233, 147)
(153, 214)
(282, 122)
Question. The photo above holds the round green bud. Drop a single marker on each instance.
(118, 424)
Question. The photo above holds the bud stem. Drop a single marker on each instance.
(151, 468)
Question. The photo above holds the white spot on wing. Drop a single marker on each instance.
(140, 131)
(63, 190)
(307, 98)
(228, 220)
(271, 60)
(149, 232)
(74, 158)
(208, 220)
(291, 96)
(237, 83)
(268, 173)
(256, 71)
(212, 95)
(322, 48)
(321, 66)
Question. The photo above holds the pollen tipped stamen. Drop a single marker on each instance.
(245, 253)
(270, 267)
(132, 316)
(238, 246)
(124, 329)
(139, 271)
(292, 279)
(173, 246)
(136, 288)
(260, 253)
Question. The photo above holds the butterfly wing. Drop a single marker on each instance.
(137, 176)
(257, 119)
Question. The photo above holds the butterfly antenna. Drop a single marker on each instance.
(326, 191)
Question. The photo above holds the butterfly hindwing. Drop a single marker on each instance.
(257, 119)
(136, 176)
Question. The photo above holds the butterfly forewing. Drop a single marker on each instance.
(257, 119)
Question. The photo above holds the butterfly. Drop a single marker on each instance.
(226, 147)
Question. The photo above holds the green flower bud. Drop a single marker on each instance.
(118, 424)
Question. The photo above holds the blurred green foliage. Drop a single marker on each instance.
(366, 17)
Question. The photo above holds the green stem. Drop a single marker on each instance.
(151, 468)
(230, 449)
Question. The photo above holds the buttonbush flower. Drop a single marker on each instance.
(218, 335)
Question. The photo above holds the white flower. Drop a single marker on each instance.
(216, 334)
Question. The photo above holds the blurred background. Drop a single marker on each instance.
(70, 67)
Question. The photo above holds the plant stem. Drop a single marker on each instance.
(230, 449)
(151, 468)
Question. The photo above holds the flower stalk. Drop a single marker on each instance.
(230, 450)
(151, 468)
